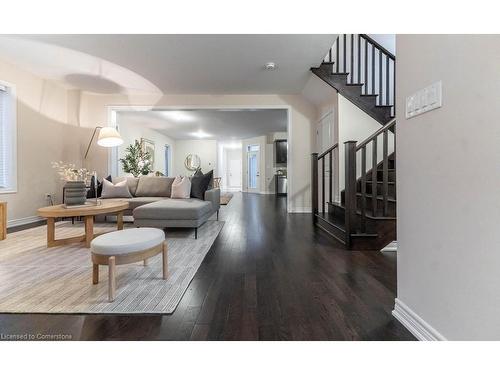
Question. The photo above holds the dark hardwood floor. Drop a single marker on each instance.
(268, 276)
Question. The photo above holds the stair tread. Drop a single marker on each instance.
(380, 182)
(384, 106)
(380, 197)
(368, 213)
(335, 223)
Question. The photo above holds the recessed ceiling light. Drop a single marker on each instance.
(200, 134)
(181, 116)
(270, 66)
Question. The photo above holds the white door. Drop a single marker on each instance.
(233, 169)
(253, 169)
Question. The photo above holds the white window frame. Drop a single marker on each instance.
(11, 120)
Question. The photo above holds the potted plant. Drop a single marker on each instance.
(137, 161)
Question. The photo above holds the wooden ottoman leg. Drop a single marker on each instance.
(145, 262)
(95, 273)
(111, 279)
(165, 261)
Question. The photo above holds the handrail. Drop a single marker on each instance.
(376, 44)
(323, 154)
(376, 134)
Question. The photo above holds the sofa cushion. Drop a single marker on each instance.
(152, 186)
(181, 188)
(135, 201)
(199, 184)
(118, 190)
(132, 183)
(174, 209)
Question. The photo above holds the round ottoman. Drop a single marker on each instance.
(124, 247)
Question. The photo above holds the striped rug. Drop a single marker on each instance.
(34, 279)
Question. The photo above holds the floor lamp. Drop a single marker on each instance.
(108, 137)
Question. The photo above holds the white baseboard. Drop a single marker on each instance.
(300, 210)
(422, 330)
(393, 246)
(23, 221)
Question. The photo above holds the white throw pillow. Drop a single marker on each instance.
(181, 188)
(118, 190)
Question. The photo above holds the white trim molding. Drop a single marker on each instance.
(300, 210)
(422, 330)
(393, 246)
(23, 221)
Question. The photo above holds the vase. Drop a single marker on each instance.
(75, 193)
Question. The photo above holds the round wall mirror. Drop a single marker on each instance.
(192, 162)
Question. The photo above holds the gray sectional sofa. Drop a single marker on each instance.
(151, 205)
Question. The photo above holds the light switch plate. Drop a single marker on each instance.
(424, 100)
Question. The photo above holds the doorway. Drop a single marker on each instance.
(253, 168)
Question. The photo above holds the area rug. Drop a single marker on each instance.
(35, 279)
(225, 198)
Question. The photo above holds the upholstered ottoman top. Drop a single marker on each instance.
(127, 241)
(174, 209)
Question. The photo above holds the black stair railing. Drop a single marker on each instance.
(368, 63)
(351, 162)
(356, 167)
(321, 197)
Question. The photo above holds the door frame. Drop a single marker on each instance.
(113, 163)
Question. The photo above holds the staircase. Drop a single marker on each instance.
(363, 72)
(365, 218)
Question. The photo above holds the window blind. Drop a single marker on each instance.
(4, 173)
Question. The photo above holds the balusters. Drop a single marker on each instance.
(385, 171)
(314, 185)
(363, 190)
(386, 80)
(322, 185)
(373, 69)
(359, 58)
(380, 96)
(352, 59)
(330, 181)
(337, 62)
(345, 53)
(366, 67)
(374, 176)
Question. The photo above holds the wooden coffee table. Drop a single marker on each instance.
(88, 213)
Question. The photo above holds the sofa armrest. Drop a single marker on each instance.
(213, 195)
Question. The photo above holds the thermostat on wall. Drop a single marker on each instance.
(424, 100)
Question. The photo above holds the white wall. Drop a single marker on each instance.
(206, 149)
(130, 133)
(388, 41)
(48, 130)
(449, 185)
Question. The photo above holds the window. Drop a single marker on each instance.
(8, 171)
(168, 158)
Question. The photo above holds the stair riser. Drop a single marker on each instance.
(391, 176)
(380, 188)
(391, 207)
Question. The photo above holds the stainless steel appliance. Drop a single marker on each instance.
(281, 184)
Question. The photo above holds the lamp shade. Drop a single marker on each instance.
(109, 137)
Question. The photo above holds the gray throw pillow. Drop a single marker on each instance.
(152, 186)
(119, 190)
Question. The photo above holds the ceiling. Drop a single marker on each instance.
(220, 124)
(171, 64)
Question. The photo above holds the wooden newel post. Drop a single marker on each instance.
(314, 185)
(350, 190)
